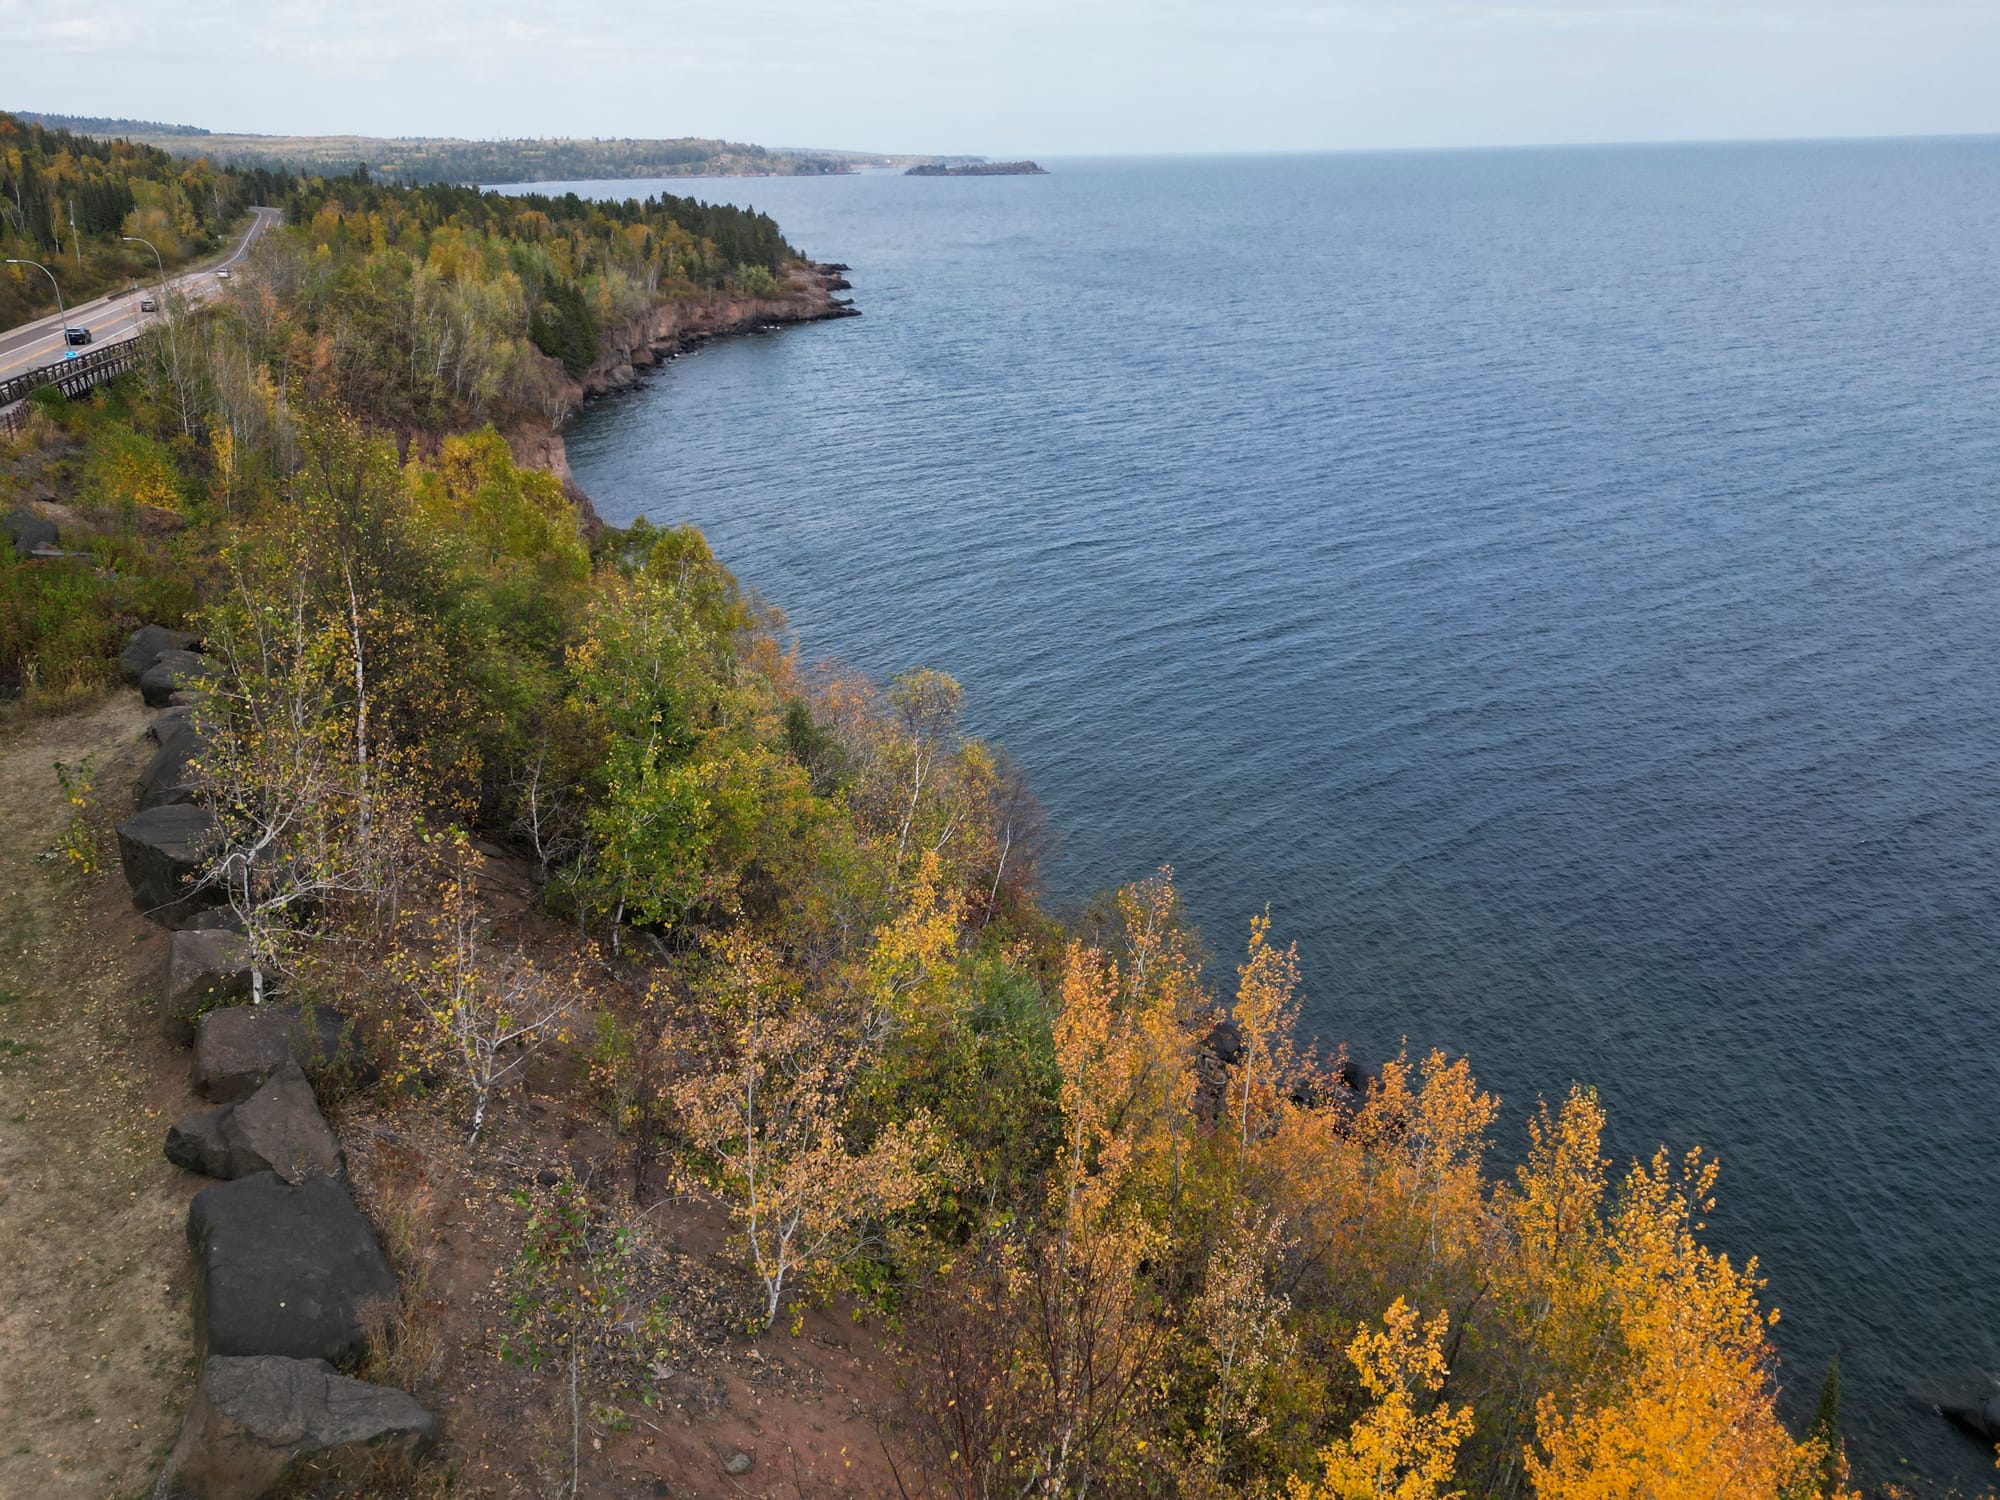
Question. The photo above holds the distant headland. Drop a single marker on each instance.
(416, 160)
(977, 169)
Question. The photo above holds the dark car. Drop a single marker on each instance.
(76, 335)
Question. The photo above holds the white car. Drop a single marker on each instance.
(221, 275)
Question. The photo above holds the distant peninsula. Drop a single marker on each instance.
(977, 169)
(419, 160)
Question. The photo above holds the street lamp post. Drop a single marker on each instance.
(62, 317)
(142, 240)
(166, 310)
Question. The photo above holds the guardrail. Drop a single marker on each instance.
(70, 376)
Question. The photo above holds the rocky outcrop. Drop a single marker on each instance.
(536, 447)
(1342, 1084)
(253, 1418)
(278, 1129)
(676, 326)
(1975, 1410)
(237, 1048)
(147, 645)
(206, 969)
(163, 850)
(662, 333)
(286, 1268)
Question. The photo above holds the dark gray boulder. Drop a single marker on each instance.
(170, 775)
(215, 919)
(238, 1047)
(252, 1418)
(27, 531)
(206, 968)
(171, 671)
(280, 1129)
(147, 645)
(196, 1143)
(163, 850)
(286, 1268)
(277, 1129)
(169, 722)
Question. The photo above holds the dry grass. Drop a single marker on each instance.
(95, 1354)
(406, 1349)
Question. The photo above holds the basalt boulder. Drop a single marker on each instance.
(286, 1268)
(170, 775)
(206, 969)
(253, 1418)
(238, 1047)
(147, 645)
(277, 1129)
(163, 849)
(215, 919)
(280, 1129)
(195, 1143)
(169, 722)
(172, 671)
(28, 532)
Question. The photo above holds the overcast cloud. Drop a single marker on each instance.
(1041, 77)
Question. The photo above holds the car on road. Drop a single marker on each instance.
(149, 304)
(221, 275)
(76, 335)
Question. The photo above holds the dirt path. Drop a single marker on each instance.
(95, 1351)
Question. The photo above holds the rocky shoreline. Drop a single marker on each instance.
(663, 333)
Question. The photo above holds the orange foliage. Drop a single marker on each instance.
(1688, 1414)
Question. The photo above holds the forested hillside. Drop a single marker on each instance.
(1096, 1210)
(430, 307)
(426, 160)
(66, 200)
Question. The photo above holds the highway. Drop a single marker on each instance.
(118, 315)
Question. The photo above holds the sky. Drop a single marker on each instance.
(1032, 77)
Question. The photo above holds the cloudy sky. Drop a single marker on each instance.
(1041, 77)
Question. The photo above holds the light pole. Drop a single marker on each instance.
(166, 310)
(61, 316)
(141, 240)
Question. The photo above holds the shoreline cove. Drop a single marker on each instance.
(665, 332)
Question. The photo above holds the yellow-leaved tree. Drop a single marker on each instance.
(1688, 1413)
(1404, 1446)
(769, 1111)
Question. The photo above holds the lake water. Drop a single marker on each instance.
(1564, 584)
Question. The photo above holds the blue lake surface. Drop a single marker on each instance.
(1564, 584)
